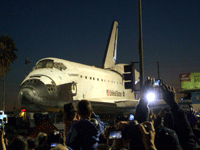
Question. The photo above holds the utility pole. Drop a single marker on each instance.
(4, 92)
(140, 45)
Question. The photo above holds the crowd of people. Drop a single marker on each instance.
(171, 129)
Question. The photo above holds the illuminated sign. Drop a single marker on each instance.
(190, 81)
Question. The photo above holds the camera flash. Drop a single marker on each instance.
(150, 96)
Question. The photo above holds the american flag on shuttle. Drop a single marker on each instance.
(108, 92)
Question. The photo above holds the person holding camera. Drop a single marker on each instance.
(84, 134)
(136, 136)
(53, 139)
(141, 131)
(139, 136)
(142, 109)
(181, 124)
(115, 136)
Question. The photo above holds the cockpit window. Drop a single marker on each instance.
(48, 63)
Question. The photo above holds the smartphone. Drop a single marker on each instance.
(53, 144)
(157, 82)
(131, 117)
(115, 134)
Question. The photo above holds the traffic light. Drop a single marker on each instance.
(129, 77)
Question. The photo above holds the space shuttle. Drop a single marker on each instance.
(54, 82)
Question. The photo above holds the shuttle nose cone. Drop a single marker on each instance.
(27, 96)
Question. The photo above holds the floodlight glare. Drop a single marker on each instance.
(151, 96)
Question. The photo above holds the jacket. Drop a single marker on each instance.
(84, 134)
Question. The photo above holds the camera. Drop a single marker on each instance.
(116, 134)
(53, 138)
(131, 117)
(157, 82)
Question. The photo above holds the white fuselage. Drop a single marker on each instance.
(92, 83)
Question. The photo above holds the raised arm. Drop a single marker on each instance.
(2, 144)
(181, 125)
(142, 109)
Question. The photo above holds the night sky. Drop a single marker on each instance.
(78, 30)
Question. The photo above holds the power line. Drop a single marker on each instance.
(181, 66)
(175, 69)
(197, 60)
(163, 63)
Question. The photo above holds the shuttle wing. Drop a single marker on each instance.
(110, 55)
(118, 102)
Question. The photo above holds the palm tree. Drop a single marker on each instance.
(7, 54)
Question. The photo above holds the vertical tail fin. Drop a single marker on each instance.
(110, 55)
